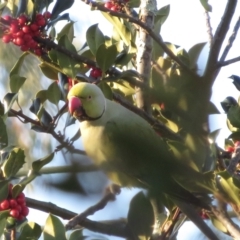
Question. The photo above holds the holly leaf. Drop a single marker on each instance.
(60, 6)
(48, 71)
(236, 81)
(53, 229)
(16, 82)
(194, 53)
(94, 38)
(105, 56)
(14, 162)
(30, 230)
(9, 100)
(3, 134)
(67, 64)
(38, 164)
(140, 216)
(206, 6)
(3, 190)
(67, 30)
(122, 30)
(54, 93)
(234, 116)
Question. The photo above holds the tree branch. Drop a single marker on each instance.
(234, 165)
(76, 220)
(113, 227)
(223, 217)
(144, 53)
(150, 31)
(58, 137)
(228, 62)
(230, 40)
(219, 36)
(209, 28)
(50, 44)
(158, 126)
(61, 169)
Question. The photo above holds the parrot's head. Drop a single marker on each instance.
(86, 101)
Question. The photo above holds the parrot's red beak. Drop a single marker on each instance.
(75, 106)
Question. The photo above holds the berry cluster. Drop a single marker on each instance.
(17, 206)
(21, 31)
(96, 72)
(115, 5)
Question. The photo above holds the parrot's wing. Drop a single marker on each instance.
(137, 150)
(140, 153)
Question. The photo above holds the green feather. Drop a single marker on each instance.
(127, 148)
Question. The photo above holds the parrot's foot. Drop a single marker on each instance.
(114, 189)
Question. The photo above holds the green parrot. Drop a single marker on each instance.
(131, 153)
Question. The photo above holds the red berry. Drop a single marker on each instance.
(25, 211)
(14, 213)
(36, 33)
(19, 208)
(22, 20)
(27, 37)
(4, 204)
(108, 5)
(21, 198)
(19, 34)
(20, 217)
(41, 22)
(39, 16)
(32, 44)
(162, 106)
(34, 27)
(38, 52)
(95, 73)
(19, 41)
(230, 149)
(13, 203)
(13, 28)
(6, 38)
(237, 144)
(114, 8)
(26, 29)
(47, 15)
(21, 195)
(24, 48)
(7, 18)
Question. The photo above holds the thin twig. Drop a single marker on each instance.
(234, 165)
(211, 70)
(228, 62)
(13, 234)
(150, 31)
(209, 28)
(76, 220)
(169, 224)
(144, 54)
(50, 44)
(113, 227)
(223, 217)
(230, 40)
(58, 137)
(60, 112)
(61, 169)
(158, 126)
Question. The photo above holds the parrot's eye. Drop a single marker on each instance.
(89, 97)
